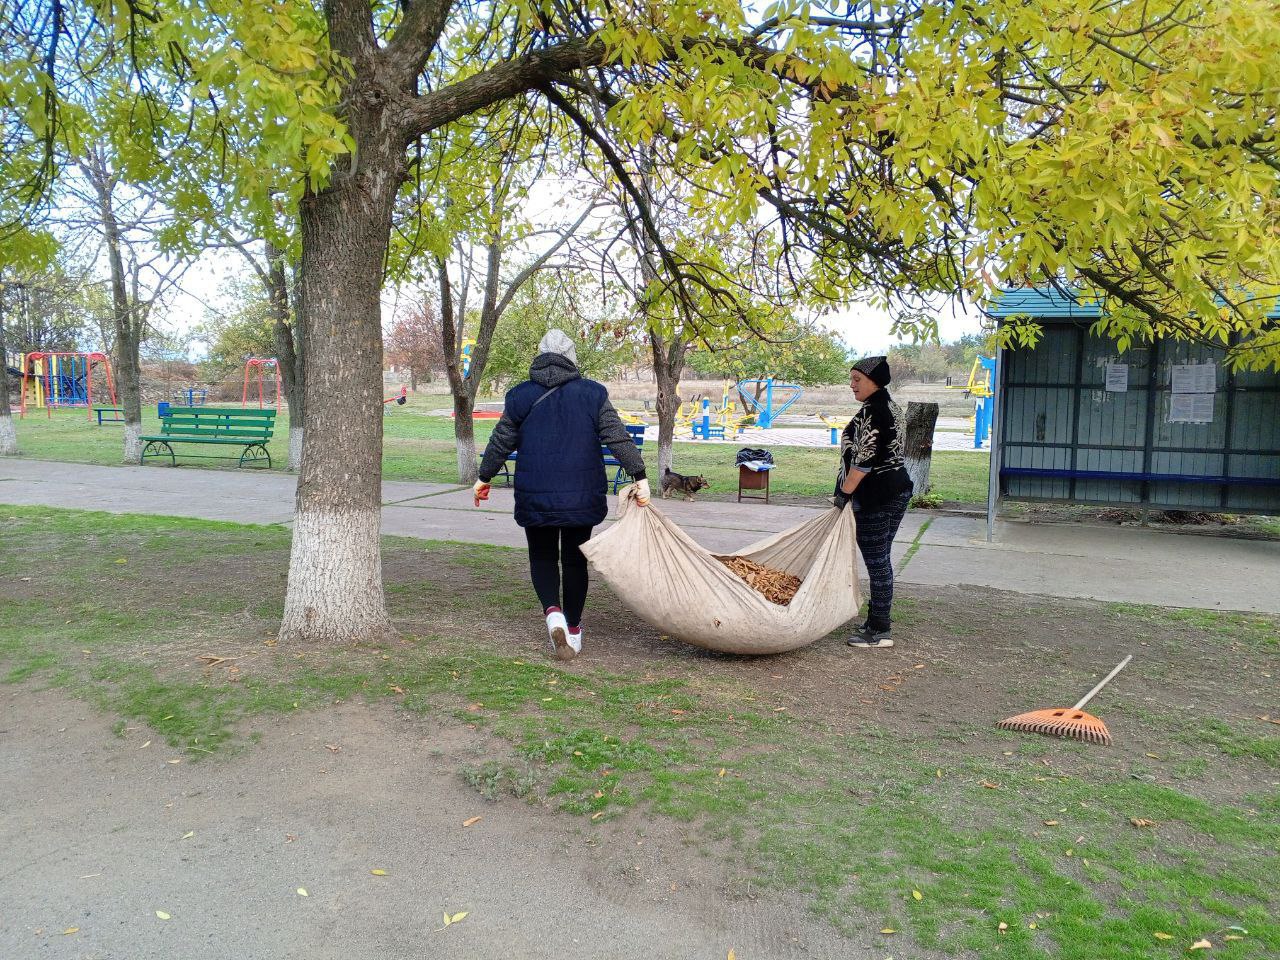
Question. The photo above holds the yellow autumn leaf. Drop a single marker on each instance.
(916, 894)
(162, 915)
(378, 872)
(472, 822)
(888, 930)
(302, 892)
(732, 955)
(458, 916)
(1232, 936)
(70, 930)
(188, 835)
(1163, 936)
(721, 773)
(1201, 945)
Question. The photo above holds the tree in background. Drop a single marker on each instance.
(567, 300)
(413, 342)
(815, 358)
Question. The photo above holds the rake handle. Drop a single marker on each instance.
(1103, 682)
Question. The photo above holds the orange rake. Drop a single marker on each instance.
(1072, 723)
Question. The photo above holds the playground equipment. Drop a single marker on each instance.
(768, 410)
(399, 399)
(467, 346)
(705, 420)
(261, 366)
(982, 387)
(61, 379)
(835, 426)
(190, 397)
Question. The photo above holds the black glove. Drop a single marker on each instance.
(840, 498)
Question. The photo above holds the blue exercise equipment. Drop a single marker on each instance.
(769, 407)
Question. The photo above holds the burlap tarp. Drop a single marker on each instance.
(681, 589)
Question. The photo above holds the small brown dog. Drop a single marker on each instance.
(679, 483)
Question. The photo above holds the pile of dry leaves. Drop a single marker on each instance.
(777, 586)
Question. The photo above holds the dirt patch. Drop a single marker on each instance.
(965, 658)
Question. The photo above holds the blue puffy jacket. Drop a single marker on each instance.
(560, 477)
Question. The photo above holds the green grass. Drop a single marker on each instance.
(421, 447)
(854, 817)
(1254, 630)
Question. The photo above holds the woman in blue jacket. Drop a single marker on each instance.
(558, 419)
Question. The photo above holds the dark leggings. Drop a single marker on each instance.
(876, 530)
(549, 548)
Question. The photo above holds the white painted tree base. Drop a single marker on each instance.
(295, 449)
(8, 437)
(335, 578)
(133, 443)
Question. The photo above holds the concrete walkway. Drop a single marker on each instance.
(1104, 563)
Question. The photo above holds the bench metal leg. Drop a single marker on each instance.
(254, 454)
(158, 448)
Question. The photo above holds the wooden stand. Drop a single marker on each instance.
(752, 480)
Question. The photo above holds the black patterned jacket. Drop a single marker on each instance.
(873, 444)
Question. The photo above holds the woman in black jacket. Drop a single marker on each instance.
(874, 479)
(558, 419)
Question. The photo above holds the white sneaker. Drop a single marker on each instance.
(558, 631)
(575, 640)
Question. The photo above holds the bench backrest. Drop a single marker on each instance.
(231, 423)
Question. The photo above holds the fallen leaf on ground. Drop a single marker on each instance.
(145, 745)
(917, 895)
(302, 892)
(378, 872)
(721, 773)
(472, 822)
(394, 689)
(597, 815)
(332, 747)
(888, 930)
(990, 786)
(188, 835)
(178, 760)
(1142, 822)
(1232, 936)
(70, 930)
(1163, 936)
(1003, 926)
(732, 955)
(1051, 823)
(451, 920)
(290, 837)
(1201, 945)
(162, 915)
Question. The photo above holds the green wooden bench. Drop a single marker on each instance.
(222, 426)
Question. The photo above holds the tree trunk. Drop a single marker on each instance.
(129, 323)
(413, 380)
(335, 591)
(668, 364)
(464, 433)
(921, 420)
(288, 351)
(8, 435)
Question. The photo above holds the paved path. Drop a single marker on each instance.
(1105, 563)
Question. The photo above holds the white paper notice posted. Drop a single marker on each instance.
(1191, 408)
(1195, 377)
(1117, 378)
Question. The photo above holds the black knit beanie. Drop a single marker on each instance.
(876, 369)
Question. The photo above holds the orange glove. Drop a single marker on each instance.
(481, 491)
